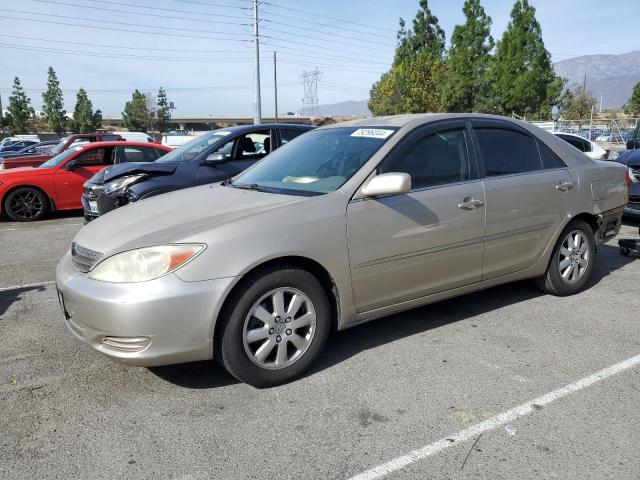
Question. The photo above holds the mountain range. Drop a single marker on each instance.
(610, 77)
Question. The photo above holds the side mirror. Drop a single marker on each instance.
(214, 158)
(71, 166)
(393, 183)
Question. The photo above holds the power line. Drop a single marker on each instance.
(119, 55)
(126, 47)
(242, 17)
(334, 58)
(98, 20)
(172, 34)
(306, 12)
(144, 13)
(95, 91)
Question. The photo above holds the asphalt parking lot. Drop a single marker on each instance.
(424, 379)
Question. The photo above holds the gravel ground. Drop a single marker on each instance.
(382, 389)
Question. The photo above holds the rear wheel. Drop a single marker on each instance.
(26, 204)
(572, 261)
(276, 327)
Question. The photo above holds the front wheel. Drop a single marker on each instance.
(276, 327)
(572, 261)
(26, 204)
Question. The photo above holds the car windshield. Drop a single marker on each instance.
(194, 147)
(317, 162)
(57, 148)
(61, 157)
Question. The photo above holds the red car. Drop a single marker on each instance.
(64, 144)
(29, 193)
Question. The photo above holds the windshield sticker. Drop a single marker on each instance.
(224, 133)
(372, 133)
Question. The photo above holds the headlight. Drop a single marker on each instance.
(633, 176)
(145, 264)
(122, 183)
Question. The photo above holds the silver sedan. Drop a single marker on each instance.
(344, 224)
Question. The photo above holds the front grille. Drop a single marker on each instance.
(84, 259)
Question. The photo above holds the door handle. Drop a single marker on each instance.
(564, 186)
(470, 203)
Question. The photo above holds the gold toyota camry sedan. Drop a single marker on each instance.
(342, 225)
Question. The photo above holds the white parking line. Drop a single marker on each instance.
(41, 226)
(26, 285)
(494, 422)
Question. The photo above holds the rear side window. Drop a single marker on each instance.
(549, 158)
(436, 159)
(506, 152)
(137, 154)
(579, 143)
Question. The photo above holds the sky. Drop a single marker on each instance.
(201, 52)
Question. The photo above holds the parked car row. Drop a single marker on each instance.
(344, 224)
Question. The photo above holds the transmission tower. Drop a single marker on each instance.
(309, 82)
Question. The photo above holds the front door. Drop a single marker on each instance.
(68, 183)
(241, 152)
(429, 240)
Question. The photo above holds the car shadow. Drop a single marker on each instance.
(9, 297)
(195, 375)
(348, 343)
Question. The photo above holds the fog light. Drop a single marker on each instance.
(126, 344)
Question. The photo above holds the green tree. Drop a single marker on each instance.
(410, 87)
(521, 77)
(425, 36)
(468, 60)
(580, 107)
(20, 110)
(53, 104)
(163, 112)
(632, 107)
(135, 113)
(84, 119)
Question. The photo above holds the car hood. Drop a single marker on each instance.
(122, 169)
(176, 216)
(629, 157)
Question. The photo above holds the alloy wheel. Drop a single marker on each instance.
(574, 256)
(26, 204)
(279, 328)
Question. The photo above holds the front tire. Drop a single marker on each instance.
(276, 327)
(26, 204)
(572, 261)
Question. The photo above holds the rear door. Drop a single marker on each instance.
(68, 184)
(429, 240)
(526, 201)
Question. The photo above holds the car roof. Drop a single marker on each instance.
(260, 126)
(121, 143)
(415, 119)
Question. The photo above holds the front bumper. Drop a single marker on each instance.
(159, 322)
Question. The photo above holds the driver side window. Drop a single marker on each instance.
(226, 149)
(436, 159)
(95, 156)
(253, 146)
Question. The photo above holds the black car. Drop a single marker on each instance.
(212, 157)
(17, 145)
(34, 149)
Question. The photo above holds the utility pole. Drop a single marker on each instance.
(1, 116)
(257, 114)
(275, 85)
(601, 96)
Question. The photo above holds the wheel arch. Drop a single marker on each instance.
(52, 205)
(300, 262)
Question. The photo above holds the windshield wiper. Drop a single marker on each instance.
(244, 186)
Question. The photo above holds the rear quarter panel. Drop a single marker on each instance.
(602, 187)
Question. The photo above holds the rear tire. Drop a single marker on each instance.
(26, 204)
(275, 328)
(572, 261)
